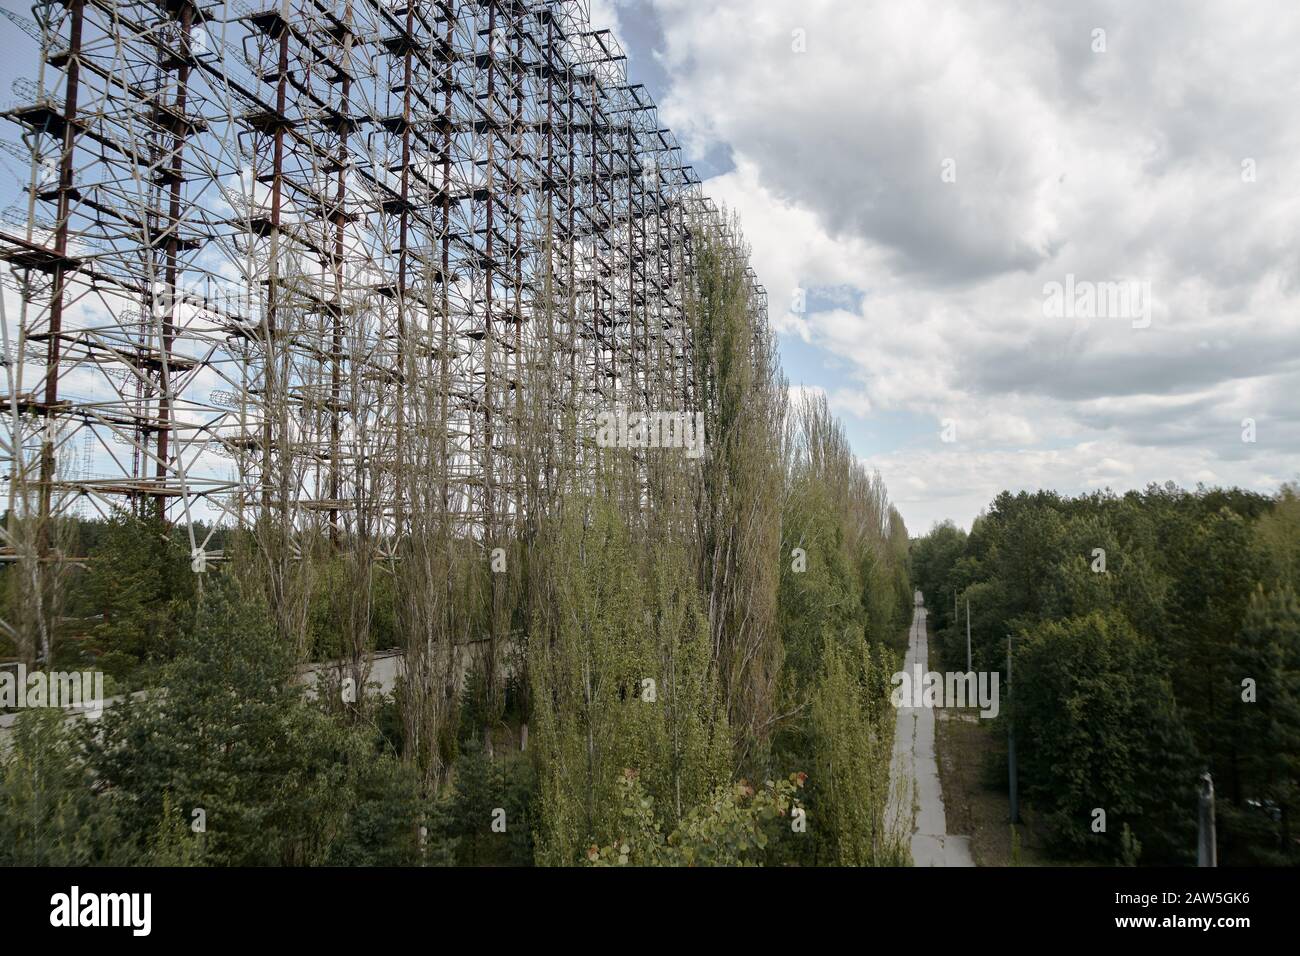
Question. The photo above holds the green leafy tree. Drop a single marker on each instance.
(487, 791)
(934, 560)
(736, 826)
(852, 739)
(598, 637)
(1098, 727)
(49, 814)
(278, 780)
(738, 387)
(142, 589)
(1278, 532)
(1265, 726)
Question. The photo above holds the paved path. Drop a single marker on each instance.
(914, 758)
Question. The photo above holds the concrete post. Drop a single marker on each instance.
(1207, 853)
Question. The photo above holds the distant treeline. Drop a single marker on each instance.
(1155, 635)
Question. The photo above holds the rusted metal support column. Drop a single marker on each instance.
(76, 13)
(171, 272)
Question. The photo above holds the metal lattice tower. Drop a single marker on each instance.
(274, 256)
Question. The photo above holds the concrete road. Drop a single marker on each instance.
(914, 758)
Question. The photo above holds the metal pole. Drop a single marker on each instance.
(968, 664)
(1011, 745)
(1206, 844)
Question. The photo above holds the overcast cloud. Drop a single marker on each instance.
(1168, 158)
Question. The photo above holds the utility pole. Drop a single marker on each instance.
(968, 665)
(1207, 853)
(1011, 745)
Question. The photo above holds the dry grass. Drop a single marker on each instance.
(963, 743)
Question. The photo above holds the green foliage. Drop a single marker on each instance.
(736, 826)
(1207, 604)
(613, 618)
(1133, 671)
(845, 598)
(280, 781)
(1278, 533)
(852, 737)
(737, 386)
(935, 573)
(482, 785)
(141, 587)
(441, 598)
(1265, 732)
(49, 815)
(649, 617)
(336, 618)
(1098, 727)
(822, 603)
(850, 584)
(173, 843)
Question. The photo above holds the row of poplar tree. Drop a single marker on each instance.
(664, 660)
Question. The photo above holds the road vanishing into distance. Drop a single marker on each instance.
(914, 771)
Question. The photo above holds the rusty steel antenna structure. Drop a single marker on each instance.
(282, 260)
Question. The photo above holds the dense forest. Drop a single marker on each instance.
(1154, 635)
(663, 661)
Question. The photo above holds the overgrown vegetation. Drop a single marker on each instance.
(1155, 635)
(608, 661)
